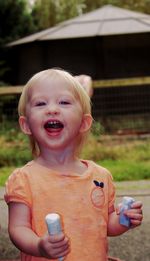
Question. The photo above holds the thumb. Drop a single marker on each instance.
(118, 208)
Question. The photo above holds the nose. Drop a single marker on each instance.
(52, 109)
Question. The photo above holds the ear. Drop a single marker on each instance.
(86, 123)
(24, 125)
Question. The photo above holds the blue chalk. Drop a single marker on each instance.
(126, 204)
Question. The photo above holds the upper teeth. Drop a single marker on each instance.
(53, 122)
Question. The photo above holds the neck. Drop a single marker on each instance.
(57, 158)
(64, 162)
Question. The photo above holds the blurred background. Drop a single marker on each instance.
(108, 40)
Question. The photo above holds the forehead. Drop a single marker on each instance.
(53, 84)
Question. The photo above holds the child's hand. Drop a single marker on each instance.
(54, 246)
(86, 82)
(135, 213)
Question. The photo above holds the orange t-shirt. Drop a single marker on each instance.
(81, 200)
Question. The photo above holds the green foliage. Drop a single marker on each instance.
(136, 5)
(106, 148)
(126, 159)
(123, 170)
(69, 9)
(47, 13)
(14, 149)
(44, 13)
(142, 6)
(15, 20)
(14, 156)
(4, 174)
(97, 129)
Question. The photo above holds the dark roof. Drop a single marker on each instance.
(107, 20)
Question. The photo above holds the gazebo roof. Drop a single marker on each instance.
(107, 20)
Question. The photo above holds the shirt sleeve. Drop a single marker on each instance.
(18, 188)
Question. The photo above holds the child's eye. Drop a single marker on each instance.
(64, 102)
(40, 103)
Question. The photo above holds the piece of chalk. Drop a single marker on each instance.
(54, 226)
(53, 223)
(126, 204)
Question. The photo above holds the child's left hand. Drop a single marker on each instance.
(135, 213)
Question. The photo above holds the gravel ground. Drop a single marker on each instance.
(134, 245)
(131, 246)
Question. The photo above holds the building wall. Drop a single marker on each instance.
(106, 57)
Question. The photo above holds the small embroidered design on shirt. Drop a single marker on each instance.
(98, 184)
(97, 194)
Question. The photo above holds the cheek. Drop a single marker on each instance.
(77, 115)
(33, 123)
(76, 118)
(76, 124)
(32, 116)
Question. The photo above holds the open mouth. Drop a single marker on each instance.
(53, 125)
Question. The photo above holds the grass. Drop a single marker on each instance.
(127, 170)
(126, 158)
(4, 174)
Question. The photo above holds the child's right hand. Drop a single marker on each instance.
(54, 246)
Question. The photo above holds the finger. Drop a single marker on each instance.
(60, 252)
(56, 238)
(133, 212)
(118, 208)
(136, 219)
(62, 244)
(63, 254)
(137, 204)
(135, 223)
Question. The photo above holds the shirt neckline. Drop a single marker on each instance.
(86, 173)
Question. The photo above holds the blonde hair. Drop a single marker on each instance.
(78, 91)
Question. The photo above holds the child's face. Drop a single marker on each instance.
(53, 115)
